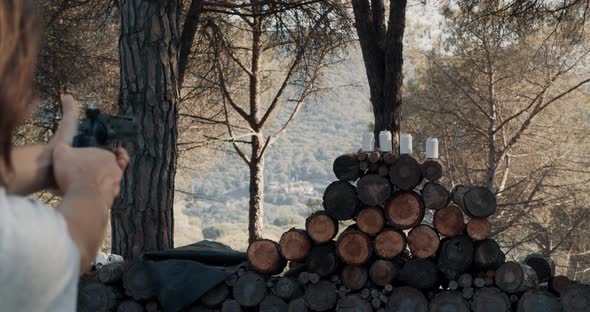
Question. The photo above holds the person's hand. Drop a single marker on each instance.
(89, 171)
(68, 127)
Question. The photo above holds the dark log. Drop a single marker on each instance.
(362, 155)
(152, 306)
(448, 301)
(297, 305)
(576, 298)
(449, 221)
(137, 282)
(513, 299)
(458, 193)
(374, 157)
(373, 189)
(94, 297)
(490, 300)
(354, 277)
(295, 245)
(407, 299)
(323, 260)
(321, 296)
(365, 293)
(376, 303)
(435, 196)
(353, 303)
(404, 210)
(321, 228)
(264, 256)
(455, 256)
(129, 306)
(453, 285)
(314, 278)
(388, 158)
(558, 283)
(383, 171)
(374, 168)
(420, 273)
(250, 289)
(303, 278)
(467, 293)
(479, 228)
(405, 172)
(354, 247)
(346, 167)
(112, 273)
(390, 243)
(540, 301)
(370, 220)
(383, 272)
(423, 241)
(465, 280)
(479, 202)
(215, 296)
(231, 306)
(543, 266)
(287, 288)
(363, 166)
(340, 200)
(432, 169)
(479, 282)
(513, 277)
(488, 255)
(272, 304)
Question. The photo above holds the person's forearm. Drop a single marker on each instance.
(32, 169)
(86, 215)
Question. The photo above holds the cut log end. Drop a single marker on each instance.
(488, 255)
(407, 299)
(137, 282)
(346, 167)
(455, 256)
(576, 298)
(295, 245)
(390, 243)
(513, 277)
(264, 256)
(449, 221)
(432, 169)
(539, 301)
(354, 247)
(420, 273)
(354, 277)
(370, 220)
(479, 202)
(405, 172)
(321, 296)
(423, 241)
(341, 200)
(321, 228)
(373, 189)
(323, 260)
(404, 210)
(479, 228)
(490, 299)
(449, 301)
(382, 272)
(558, 283)
(435, 196)
(250, 289)
(544, 267)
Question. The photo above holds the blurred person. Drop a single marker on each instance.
(43, 250)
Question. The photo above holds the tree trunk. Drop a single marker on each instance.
(189, 30)
(256, 194)
(142, 217)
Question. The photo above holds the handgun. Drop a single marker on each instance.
(104, 131)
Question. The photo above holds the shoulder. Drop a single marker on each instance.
(36, 252)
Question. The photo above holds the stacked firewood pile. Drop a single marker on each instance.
(389, 260)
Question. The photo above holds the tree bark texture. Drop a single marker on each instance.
(142, 217)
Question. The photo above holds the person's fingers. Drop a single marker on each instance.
(68, 126)
(122, 157)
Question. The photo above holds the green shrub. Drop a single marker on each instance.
(212, 232)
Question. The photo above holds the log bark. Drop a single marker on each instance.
(323, 260)
(264, 256)
(383, 171)
(295, 245)
(129, 306)
(321, 228)
(513, 277)
(404, 210)
(420, 273)
(543, 266)
(407, 299)
(488, 255)
(405, 172)
(353, 303)
(490, 299)
(479, 202)
(287, 288)
(373, 189)
(423, 241)
(137, 282)
(96, 297)
(297, 305)
(231, 306)
(435, 196)
(383, 272)
(467, 293)
(273, 304)
(388, 159)
(539, 301)
(390, 243)
(346, 167)
(354, 277)
(576, 298)
(558, 283)
(449, 221)
(142, 215)
(458, 193)
(374, 157)
(321, 296)
(340, 200)
(479, 228)
(250, 289)
(448, 301)
(455, 256)
(215, 296)
(354, 247)
(465, 280)
(479, 282)
(370, 220)
(432, 169)
(362, 155)
(111, 273)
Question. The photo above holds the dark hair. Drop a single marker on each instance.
(18, 56)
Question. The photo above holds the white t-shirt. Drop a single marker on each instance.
(39, 262)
